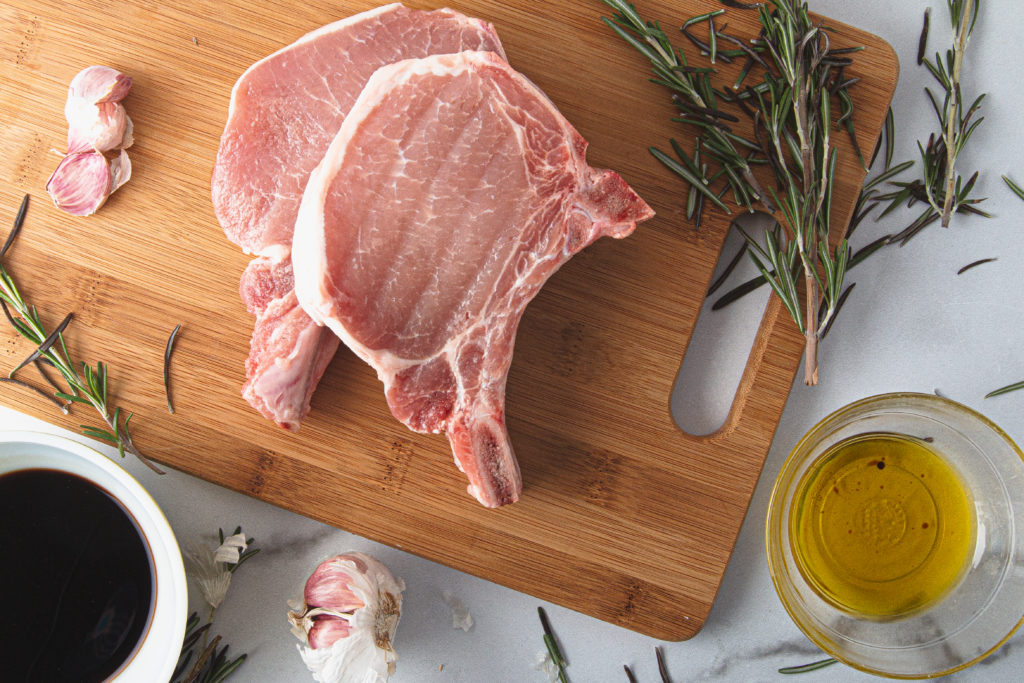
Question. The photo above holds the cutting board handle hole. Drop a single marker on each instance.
(721, 343)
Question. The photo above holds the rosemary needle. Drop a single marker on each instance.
(552, 646)
(1014, 186)
(1005, 390)
(629, 674)
(45, 345)
(167, 367)
(804, 668)
(975, 264)
(735, 261)
(26, 385)
(19, 220)
(922, 43)
(662, 668)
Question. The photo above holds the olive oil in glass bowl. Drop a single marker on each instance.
(895, 535)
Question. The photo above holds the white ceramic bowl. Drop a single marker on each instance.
(157, 654)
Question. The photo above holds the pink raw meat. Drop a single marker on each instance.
(453, 190)
(284, 112)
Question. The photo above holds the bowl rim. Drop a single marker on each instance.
(776, 493)
(157, 655)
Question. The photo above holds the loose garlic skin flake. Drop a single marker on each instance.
(347, 620)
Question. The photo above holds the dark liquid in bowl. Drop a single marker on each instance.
(76, 579)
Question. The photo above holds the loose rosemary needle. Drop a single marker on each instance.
(1005, 390)
(85, 384)
(167, 367)
(805, 668)
(975, 264)
(552, 646)
(1014, 187)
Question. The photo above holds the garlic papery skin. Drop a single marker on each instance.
(81, 183)
(347, 620)
(121, 173)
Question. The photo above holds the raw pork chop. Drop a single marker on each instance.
(453, 190)
(284, 112)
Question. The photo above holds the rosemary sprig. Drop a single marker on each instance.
(695, 98)
(941, 188)
(963, 14)
(86, 384)
(805, 668)
(790, 110)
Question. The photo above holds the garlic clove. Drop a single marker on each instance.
(97, 123)
(101, 127)
(81, 183)
(326, 630)
(328, 586)
(348, 620)
(97, 84)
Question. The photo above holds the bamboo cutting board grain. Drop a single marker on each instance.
(623, 516)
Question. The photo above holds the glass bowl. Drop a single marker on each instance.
(924, 635)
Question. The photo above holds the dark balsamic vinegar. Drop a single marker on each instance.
(76, 579)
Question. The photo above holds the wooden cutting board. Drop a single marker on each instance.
(623, 516)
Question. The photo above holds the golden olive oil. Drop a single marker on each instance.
(881, 525)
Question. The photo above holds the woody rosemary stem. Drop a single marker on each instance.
(811, 333)
(959, 47)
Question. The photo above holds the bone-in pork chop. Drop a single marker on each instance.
(284, 112)
(453, 190)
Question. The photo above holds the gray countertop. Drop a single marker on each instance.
(912, 324)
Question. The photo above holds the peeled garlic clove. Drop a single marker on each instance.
(347, 620)
(81, 183)
(97, 84)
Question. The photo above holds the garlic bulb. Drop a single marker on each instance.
(347, 620)
(98, 125)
